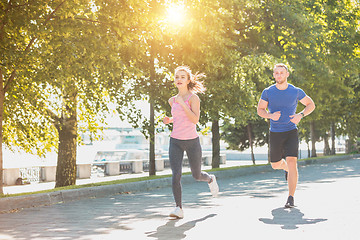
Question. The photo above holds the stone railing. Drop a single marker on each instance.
(40, 174)
(111, 168)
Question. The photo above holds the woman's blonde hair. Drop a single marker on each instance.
(195, 85)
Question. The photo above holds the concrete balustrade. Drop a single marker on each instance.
(48, 173)
(208, 160)
(137, 166)
(112, 168)
(159, 164)
(223, 159)
(10, 175)
(83, 170)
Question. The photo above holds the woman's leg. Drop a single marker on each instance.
(194, 153)
(176, 154)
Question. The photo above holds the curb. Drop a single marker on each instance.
(12, 204)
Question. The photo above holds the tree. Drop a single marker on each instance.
(89, 67)
(300, 35)
(151, 55)
(208, 47)
(252, 75)
(67, 65)
(241, 137)
(21, 25)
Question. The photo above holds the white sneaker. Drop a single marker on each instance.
(214, 187)
(177, 212)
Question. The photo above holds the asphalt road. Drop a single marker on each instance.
(249, 207)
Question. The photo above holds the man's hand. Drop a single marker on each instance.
(295, 118)
(275, 116)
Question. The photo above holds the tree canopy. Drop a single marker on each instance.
(63, 61)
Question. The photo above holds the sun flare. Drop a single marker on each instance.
(175, 14)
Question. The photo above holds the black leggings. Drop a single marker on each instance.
(176, 154)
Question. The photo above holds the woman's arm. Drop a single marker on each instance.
(194, 113)
(167, 119)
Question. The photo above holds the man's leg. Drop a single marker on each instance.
(291, 152)
(280, 165)
(292, 174)
(276, 151)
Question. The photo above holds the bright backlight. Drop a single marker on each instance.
(175, 14)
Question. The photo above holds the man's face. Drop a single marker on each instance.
(280, 74)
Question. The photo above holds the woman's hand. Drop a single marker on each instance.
(167, 120)
(179, 100)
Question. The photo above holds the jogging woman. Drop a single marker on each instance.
(185, 111)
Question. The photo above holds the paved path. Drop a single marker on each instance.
(250, 207)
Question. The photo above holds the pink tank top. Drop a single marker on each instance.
(183, 128)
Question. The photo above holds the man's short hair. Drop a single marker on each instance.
(281, 65)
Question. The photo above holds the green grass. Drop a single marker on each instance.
(88, 185)
(129, 180)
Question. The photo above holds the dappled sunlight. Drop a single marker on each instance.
(103, 217)
(146, 213)
(57, 229)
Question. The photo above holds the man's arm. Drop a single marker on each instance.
(262, 112)
(309, 105)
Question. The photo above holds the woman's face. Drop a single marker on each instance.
(181, 79)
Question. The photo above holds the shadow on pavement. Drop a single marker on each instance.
(270, 184)
(289, 218)
(101, 216)
(176, 232)
(89, 218)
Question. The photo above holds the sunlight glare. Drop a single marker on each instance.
(175, 14)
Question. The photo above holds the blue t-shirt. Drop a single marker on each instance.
(284, 101)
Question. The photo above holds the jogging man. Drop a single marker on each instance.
(281, 100)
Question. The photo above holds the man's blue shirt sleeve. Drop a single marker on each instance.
(264, 95)
(301, 94)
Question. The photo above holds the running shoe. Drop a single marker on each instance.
(290, 202)
(177, 212)
(214, 187)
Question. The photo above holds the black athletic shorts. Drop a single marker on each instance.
(283, 144)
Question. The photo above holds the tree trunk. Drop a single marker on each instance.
(215, 144)
(152, 169)
(67, 129)
(313, 139)
(326, 146)
(332, 133)
(308, 149)
(250, 136)
(2, 102)
(350, 146)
